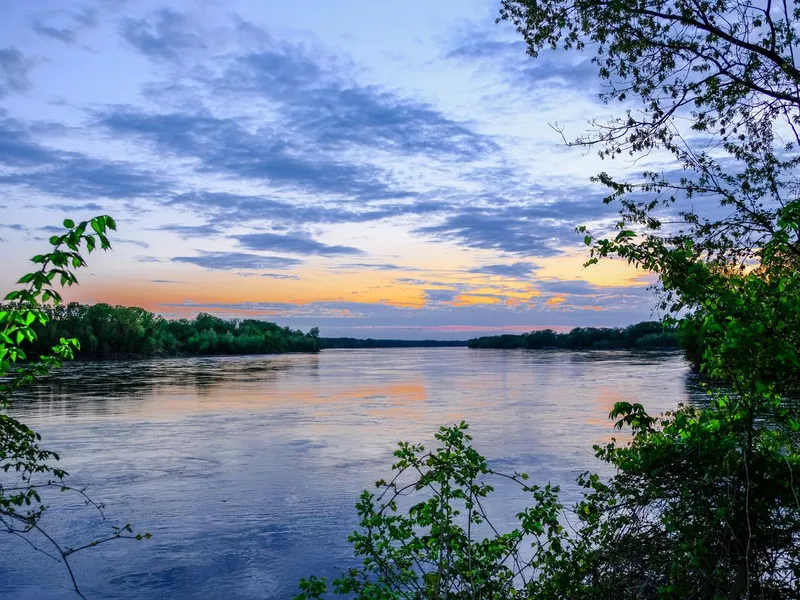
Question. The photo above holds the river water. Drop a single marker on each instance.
(245, 469)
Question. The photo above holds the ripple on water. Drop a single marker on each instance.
(246, 469)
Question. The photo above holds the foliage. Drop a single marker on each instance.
(644, 335)
(714, 85)
(670, 524)
(25, 467)
(445, 545)
(106, 331)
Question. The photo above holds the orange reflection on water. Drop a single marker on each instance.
(604, 403)
(403, 399)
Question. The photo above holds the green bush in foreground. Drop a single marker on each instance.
(27, 469)
(703, 506)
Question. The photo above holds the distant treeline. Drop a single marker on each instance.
(106, 331)
(645, 335)
(348, 342)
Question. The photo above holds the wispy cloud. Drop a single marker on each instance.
(499, 50)
(164, 37)
(64, 26)
(192, 231)
(68, 174)
(520, 270)
(228, 146)
(15, 70)
(236, 260)
(231, 208)
(292, 244)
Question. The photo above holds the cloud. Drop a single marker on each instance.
(15, 70)
(17, 147)
(313, 94)
(493, 48)
(64, 26)
(574, 287)
(192, 231)
(495, 230)
(375, 266)
(165, 281)
(279, 276)
(294, 245)
(236, 209)
(520, 270)
(224, 261)
(66, 207)
(476, 43)
(556, 300)
(439, 296)
(229, 146)
(318, 132)
(579, 295)
(165, 38)
(87, 177)
(139, 243)
(69, 174)
(577, 287)
(52, 229)
(79, 176)
(369, 117)
(542, 226)
(278, 136)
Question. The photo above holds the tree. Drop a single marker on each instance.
(26, 469)
(714, 84)
(727, 69)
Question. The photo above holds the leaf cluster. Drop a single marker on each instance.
(26, 469)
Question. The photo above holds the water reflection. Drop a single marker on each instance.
(246, 469)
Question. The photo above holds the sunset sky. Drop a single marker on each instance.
(376, 169)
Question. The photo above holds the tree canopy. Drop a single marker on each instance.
(106, 331)
(641, 336)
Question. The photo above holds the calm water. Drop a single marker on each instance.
(246, 469)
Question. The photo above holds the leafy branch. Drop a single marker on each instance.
(25, 467)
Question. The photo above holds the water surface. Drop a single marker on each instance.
(246, 469)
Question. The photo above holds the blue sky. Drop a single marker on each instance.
(374, 169)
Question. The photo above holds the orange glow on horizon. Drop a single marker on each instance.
(186, 290)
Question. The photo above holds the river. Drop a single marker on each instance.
(245, 469)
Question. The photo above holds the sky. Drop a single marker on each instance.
(373, 169)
